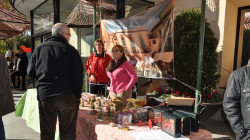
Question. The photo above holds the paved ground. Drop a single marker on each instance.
(16, 128)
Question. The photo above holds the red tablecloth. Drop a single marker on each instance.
(90, 129)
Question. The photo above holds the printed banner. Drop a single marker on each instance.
(147, 39)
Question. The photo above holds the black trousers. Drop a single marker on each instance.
(65, 108)
(98, 89)
(13, 78)
(19, 75)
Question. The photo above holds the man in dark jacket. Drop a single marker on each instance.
(236, 102)
(58, 70)
(6, 98)
(22, 64)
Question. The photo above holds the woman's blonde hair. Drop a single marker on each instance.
(120, 48)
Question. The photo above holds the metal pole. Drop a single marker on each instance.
(94, 28)
(201, 44)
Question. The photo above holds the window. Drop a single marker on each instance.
(66, 7)
(43, 17)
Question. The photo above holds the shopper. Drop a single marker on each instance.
(121, 74)
(58, 70)
(6, 97)
(237, 100)
(96, 68)
(22, 64)
(10, 64)
(14, 74)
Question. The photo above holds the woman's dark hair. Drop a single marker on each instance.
(7, 58)
(17, 55)
(100, 41)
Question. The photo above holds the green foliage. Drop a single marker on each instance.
(5, 45)
(25, 40)
(186, 39)
(212, 97)
(8, 44)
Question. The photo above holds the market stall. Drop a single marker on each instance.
(96, 127)
(89, 128)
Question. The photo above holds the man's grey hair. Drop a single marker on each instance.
(248, 65)
(59, 28)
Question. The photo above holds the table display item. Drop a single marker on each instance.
(119, 106)
(93, 111)
(154, 114)
(100, 115)
(123, 118)
(194, 119)
(98, 103)
(112, 124)
(134, 103)
(82, 102)
(150, 123)
(185, 122)
(85, 99)
(140, 123)
(152, 102)
(123, 127)
(139, 114)
(171, 124)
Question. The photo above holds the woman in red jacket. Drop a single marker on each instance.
(96, 68)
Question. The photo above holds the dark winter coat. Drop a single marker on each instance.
(236, 101)
(22, 64)
(57, 67)
(6, 97)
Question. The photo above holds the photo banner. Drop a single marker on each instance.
(147, 40)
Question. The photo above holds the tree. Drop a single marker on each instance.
(5, 45)
(24, 39)
(186, 39)
(6, 5)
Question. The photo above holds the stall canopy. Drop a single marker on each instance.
(82, 13)
(11, 24)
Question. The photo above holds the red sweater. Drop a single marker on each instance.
(97, 65)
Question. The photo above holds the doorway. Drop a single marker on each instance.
(242, 43)
(246, 40)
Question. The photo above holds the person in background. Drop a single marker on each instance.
(96, 68)
(58, 70)
(121, 74)
(6, 97)
(236, 102)
(8, 53)
(14, 73)
(22, 64)
(10, 64)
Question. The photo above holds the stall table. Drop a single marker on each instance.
(90, 129)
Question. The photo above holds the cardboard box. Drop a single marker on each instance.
(180, 101)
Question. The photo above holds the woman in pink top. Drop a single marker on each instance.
(121, 74)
